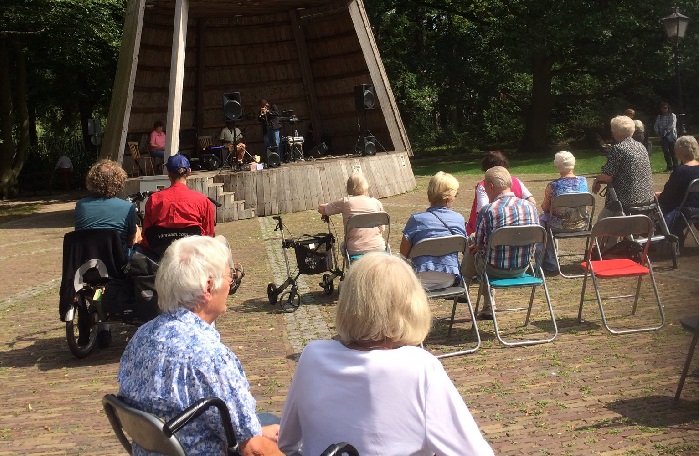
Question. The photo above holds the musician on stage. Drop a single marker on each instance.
(232, 138)
(269, 117)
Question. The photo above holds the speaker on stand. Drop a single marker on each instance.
(272, 159)
(232, 112)
(364, 100)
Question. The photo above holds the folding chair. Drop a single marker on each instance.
(148, 168)
(524, 236)
(368, 220)
(444, 246)
(582, 206)
(690, 324)
(150, 433)
(624, 226)
(159, 238)
(661, 233)
(693, 218)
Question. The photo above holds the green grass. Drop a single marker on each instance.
(587, 162)
(18, 209)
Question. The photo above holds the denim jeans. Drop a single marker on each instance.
(272, 141)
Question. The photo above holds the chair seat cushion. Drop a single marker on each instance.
(571, 234)
(524, 281)
(621, 267)
(445, 293)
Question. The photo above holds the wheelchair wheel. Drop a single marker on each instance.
(290, 300)
(272, 293)
(81, 331)
(327, 284)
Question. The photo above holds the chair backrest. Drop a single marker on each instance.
(159, 238)
(692, 188)
(517, 236)
(369, 220)
(143, 428)
(135, 152)
(623, 226)
(205, 142)
(584, 202)
(439, 246)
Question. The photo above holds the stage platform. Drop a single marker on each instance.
(293, 187)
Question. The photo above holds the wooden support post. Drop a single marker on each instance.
(389, 108)
(114, 140)
(307, 75)
(174, 105)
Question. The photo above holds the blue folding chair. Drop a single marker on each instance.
(526, 236)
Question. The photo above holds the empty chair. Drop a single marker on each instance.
(690, 324)
(685, 217)
(617, 268)
(518, 236)
(136, 170)
(577, 209)
(438, 247)
(364, 221)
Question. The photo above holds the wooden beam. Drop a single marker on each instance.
(174, 109)
(306, 74)
(199, 101)
(114, 140)
(379, 78)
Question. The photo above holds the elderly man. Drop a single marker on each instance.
(505, 209)
(178, 358)
(177, 206)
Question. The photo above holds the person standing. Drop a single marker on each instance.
(666, 128)
(64, 168)
(269, 118)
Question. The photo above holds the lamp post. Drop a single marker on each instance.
(675, 25)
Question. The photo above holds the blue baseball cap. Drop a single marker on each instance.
(177, 164)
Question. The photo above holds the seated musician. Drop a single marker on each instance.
(232, 138)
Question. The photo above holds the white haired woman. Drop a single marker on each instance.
(358, 201)
(438, 220)
(374, 388)
(178, 358)
(687, 152)
(627, 169)
(570, 219)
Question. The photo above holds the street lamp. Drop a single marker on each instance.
(675, 26)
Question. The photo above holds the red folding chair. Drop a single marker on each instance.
(617, 268)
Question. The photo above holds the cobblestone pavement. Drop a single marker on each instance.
(588, 392)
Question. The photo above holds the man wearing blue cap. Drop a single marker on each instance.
(178, 206)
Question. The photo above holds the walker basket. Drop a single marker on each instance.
(314, 253)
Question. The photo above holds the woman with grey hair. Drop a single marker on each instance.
(358, 201)
(687, 152)
(393, 398)
(178, 358)
(627, 169)
(569, 219)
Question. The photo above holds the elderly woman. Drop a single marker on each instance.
(358, 201)
(438, 220)
(570, 219)
(627, 169)
(178, 358)
(686, 151)
(103, 209)
(480, 199)
(374, 388)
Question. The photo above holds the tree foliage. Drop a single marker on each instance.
(59, 59)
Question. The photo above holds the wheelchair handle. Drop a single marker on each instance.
(195, 410)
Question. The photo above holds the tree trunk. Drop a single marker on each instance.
(536, 117)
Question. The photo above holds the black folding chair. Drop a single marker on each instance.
(686, 218)
(690, 324)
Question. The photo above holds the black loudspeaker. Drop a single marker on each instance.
(369, 145)
(318, 151)
(364, 97)
(232, 107)
(273, 160)
(210, 162)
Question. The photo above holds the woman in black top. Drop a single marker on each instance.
(686, 151)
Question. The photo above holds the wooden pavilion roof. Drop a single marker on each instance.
(219, 8)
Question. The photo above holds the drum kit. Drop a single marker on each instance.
(292, 145)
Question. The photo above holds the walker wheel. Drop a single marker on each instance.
(272, 293)
(327, 284)
(290, 300)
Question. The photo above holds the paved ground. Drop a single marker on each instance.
(586, 393)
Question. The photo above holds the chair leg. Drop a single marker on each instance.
(582, 296)
(475, 328)
(453, 313)
(529, 310)
(638, 292)
(687, 363)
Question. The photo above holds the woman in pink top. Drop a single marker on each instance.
(358, 201)
(156, 144)
(494, 158)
